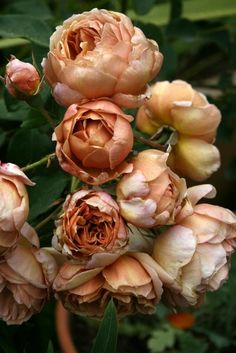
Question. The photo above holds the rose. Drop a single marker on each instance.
(152, 194)
(93, 140)
(90, 228)
(196, 253)
(178, 106)
(14, 204)
(22, 79)
(25, 277)
(100, 54)
(133, 281)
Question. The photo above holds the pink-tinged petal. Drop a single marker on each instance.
(66, 96)
(103, 259)
(139, 212)
(194, 158)
(191, 278)
(174, 249)
(13, 170)
(49, 265)
(152, 163)
(219, 278)
(196, 193)
(23, 262)
(219, 213)
(30, 234)
(212, 258)
(70, 276)
(131, 101)
(133, 185)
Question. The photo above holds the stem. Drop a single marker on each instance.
(48, 218)
(74, 184)
(46, 159)
(46, 115)
(150, 143)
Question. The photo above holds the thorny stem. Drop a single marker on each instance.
(150, 143)
(47, 159)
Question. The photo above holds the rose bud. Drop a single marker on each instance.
(101, 54)
(152, 195)
(22, 79)
(196, 253)
(93, 140)
(177, 106)
(91, 228)
(133, 281)
(25, 278)
(14, 204)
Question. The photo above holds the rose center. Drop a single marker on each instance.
(81, 41)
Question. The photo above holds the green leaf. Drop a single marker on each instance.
(193, 10)
(12, 42)
(107, 334)
(33, 8)
(22, 109)
(28, 145)
(2, 137)
(187, 339)
(161, 339)
(32, 28)
(50, 348)
(142, 7)
(49, 187)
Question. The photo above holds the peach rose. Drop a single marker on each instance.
(14, 204)
(196, 253)
(25, 277)
(178, 106)
(152, 195)
(100, 54)
(90, 228)
(93, 140)
(21, 79)
(133, 281)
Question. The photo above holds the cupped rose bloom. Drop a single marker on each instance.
(152, 195)
(93, 141)
(21, 79)
(177, 106)
(91, 228)
(14, 204)
(25, 278)
(134, 281)
(196, 253)
(101, 54)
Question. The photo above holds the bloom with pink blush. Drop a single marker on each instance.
(100, 53)
(133, 281)
(14, 204)
(196, 253)
(26, 275)
(152, 195)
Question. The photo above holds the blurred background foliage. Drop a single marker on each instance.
(198, 40)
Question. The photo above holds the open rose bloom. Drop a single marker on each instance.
(178, 106)
(91, 230)
(152, 195)
(93, 141)
(196, 253)
(14, 205)
(25, 278)
(133, 281)
(100, 54)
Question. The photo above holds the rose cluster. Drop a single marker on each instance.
(149, 239)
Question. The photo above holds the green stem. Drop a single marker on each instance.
(74, 184)
(46, 115)
(46, 159)
(48, 218)
(150, 143)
